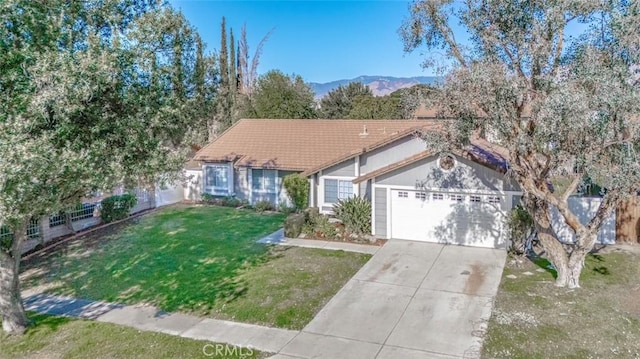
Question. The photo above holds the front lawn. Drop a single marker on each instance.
(201, 260)
(59, 337)
(534, 319)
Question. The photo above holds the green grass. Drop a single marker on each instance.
(292, 287)
(200, 260)
(534, 319)
(59, 337)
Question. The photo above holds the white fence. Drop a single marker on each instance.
(584, 208)
(47, 228)
(169, 194)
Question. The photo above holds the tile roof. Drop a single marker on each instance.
(301, 145)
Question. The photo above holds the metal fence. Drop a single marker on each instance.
(83, 211)
(33, 231)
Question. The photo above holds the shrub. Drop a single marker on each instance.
(323, 228)
(318, 225)
(521, 230)
(208, 198)
(285, 208)
(262, 206)
(225, 201)
(293, 225)
(297, 188)
(355, 213)
(230, 201)
(117, 207)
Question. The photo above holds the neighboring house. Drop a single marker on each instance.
(458, 198)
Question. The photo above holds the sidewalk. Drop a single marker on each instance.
(278, 238)
(151, 319)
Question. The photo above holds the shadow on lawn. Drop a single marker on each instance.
(189, 261)
(593, 261)
(46, 321)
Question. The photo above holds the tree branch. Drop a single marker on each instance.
(569, 217)
(572, 188)
(440, 23)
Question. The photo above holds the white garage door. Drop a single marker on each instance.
(455, 218)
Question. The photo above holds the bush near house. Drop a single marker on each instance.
(321, 226)
(224, 201)
(318, 226)
(263, 206)
(117, 207)
(293, 225)
(521, 231)
(355, 213)
(297, 188)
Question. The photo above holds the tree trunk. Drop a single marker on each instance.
(571, 274)
(584, 244)
(558, 256)
(14, 318)
(568, 265)
(68, 222)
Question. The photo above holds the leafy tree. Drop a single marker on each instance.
(205, 89)
(411, 98)
(91, 98)
(280, 96)
(555, 101)
(376, 108)
(338, 103)
(233, 72)
(224, 114)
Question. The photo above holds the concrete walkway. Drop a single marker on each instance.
(151, 319)
(278, 237)
(411, 300)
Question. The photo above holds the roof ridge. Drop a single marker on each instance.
(217, 138)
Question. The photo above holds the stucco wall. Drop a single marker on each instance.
(391, 153)
(466, 175)
(342, 169)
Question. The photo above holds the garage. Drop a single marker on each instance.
(443, 198)
(474, 219)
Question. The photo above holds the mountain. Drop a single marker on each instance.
(379, 85)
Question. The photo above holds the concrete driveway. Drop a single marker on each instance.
(411, 300)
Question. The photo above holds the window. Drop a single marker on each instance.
(335, 189)
(263, 180)
(493, 199)
(438, 196)
(403, 194)
(456, 197)
(217, 178)
(421, 195)
(475, 199)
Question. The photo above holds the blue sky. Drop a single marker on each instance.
(319, 40)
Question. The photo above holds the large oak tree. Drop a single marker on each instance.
(92, 95)
(557, 83)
